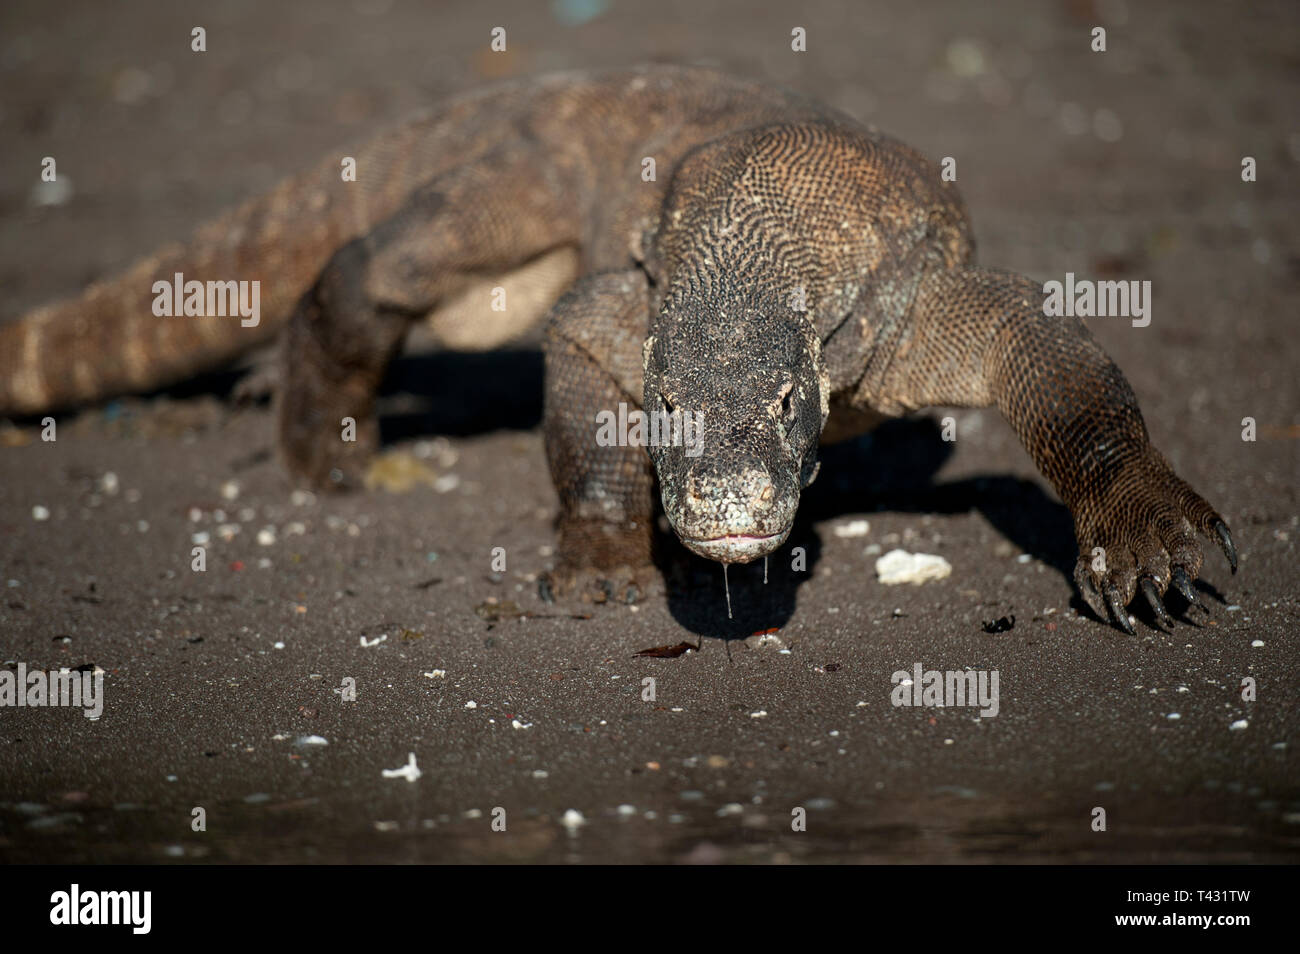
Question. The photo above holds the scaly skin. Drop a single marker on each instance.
(784, 265)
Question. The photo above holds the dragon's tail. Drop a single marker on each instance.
(111, 340)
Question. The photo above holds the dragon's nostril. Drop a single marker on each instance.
(766, 494)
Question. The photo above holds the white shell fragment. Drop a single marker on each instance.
(410, 771)
(899, 566)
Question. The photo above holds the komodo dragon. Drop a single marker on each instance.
(782, 266)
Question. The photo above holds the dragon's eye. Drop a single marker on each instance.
(787, 404)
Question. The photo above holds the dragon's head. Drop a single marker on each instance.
(745, 380)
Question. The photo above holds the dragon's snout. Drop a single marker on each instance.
(733, 518)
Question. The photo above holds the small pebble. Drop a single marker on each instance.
(854, 528)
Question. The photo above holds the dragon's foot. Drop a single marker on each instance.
(1139, 534)
(327, 433)
(601, 562)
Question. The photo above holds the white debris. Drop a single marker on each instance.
(1256, 643)
(573, 820)
(266, 536)
(366, 644)
(108, 483)
(446, 483)
(436, 674)
(230, 490)
(854, 528)
(56, 192)
(311, 740)
(410, 771)
(899, 566)
(201, 538)
(1239, 725)
(520, 725)
(40, 513)
(760, 714)
(471, 704)
(764, 641)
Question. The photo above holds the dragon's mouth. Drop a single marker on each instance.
(735, 547)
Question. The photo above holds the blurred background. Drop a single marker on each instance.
(1123, 156)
